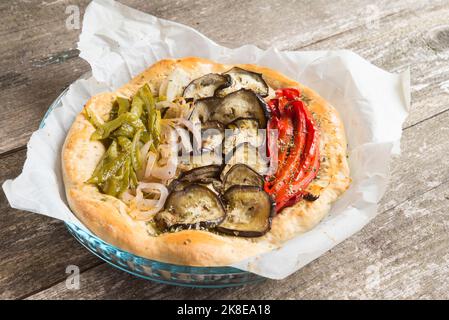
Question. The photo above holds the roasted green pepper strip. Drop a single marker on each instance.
(110, 168)
(153, 115)
(109, 155)
(113, 186)
(125, 130)
(126, 175)
(135, 151)
(132, 179)
(92, 117)
(106, 129)
(137, 106)
(123, 105)
(125, 144)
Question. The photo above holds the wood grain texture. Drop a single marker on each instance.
(377, 263)
(416, 210)
(34, 250)
(403, 253)
(37, 42)
(418, 39)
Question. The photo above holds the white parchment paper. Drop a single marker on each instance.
(119, 42)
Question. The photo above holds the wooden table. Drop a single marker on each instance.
(403, 253)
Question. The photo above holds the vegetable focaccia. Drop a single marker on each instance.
(199, 163)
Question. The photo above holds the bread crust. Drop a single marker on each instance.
(107, 216)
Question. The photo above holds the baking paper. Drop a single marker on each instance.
(119, 42)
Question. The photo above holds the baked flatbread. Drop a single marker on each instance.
(109, 219)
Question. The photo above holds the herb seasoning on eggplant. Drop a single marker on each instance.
(249, 211)
(194, 207)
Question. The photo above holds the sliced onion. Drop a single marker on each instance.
(143, 204)
(195, 128)
(176, 83)
(168, 170)
(185, 139)
(151, 160)
(127, 197)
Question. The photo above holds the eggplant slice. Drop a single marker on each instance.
(203, 108)
(242, 175)
(202, 174)
(193, 207)
(193, 161)
(208, 175)
(248, 155)
(245, 79)
(206, 85)
(239, 104)
(243, 130)
(242, 104)
(249, 211)
(212, 135)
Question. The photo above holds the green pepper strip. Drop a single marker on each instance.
(153, 115)
(137, 106)
(92, 117)
(114, 184)
(125, 181)
(125, 143)
(109, 155)
(123, 105)
(135, 151)
(105, 130)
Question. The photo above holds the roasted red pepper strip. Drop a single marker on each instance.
(300, 165)
(288, 93)
(287, 170)
(293, 190)
(311, 174)
(284, 142)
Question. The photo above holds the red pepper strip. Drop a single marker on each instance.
(274, 107)
(302, 184)
(288, 169)
(292, 192)
(289, 93)
(284, 126)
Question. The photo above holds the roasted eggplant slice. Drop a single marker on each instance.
(248, 155)
(213, 184)
(206, 85)
(244, 124)
(177, 185)
(249, 211)
(194, 207)
(202, 174)
(245, 79)
(212, 135)
(193, 161)
(241, 104)
(243, 130)
(203, 108)
(242, 175)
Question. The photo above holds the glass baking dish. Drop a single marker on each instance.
(205, 277)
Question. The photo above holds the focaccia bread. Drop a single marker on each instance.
(114, 220)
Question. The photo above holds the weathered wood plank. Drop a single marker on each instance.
(379, 262)
(34, 250)
(37, 44)
(34, 49)
(415, 39)
(406, 243)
